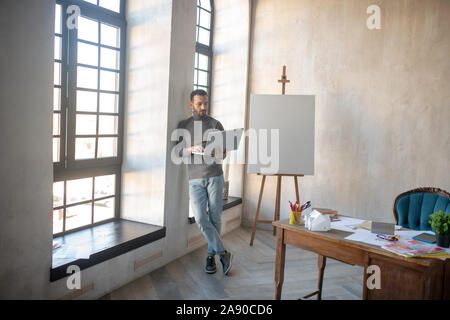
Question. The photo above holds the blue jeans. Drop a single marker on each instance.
(208, 192)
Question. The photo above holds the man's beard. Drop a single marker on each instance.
(200, 113)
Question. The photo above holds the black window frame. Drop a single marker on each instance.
(201, 48)
(67, 168)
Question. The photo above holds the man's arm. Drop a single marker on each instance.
(186, 150)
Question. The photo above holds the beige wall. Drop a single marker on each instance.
(229, 77)
(26, 171)
(382, 98)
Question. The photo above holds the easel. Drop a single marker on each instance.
(276, 215)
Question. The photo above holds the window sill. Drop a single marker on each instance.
(227, 204)
(101, 243)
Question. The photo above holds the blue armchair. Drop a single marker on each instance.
(412, 208)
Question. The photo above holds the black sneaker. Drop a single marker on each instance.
(226, 260)
(210, 265)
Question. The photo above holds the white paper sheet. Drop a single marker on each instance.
(346, 224)
(368, 237)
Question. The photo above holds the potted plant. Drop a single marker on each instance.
(440, 222)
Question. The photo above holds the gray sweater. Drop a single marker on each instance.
(202, 170)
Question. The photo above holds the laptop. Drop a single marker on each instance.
(382, 228)
(234, 138)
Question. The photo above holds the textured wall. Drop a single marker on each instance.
(229, 77)
(26, 171)
(382, 98)
(147, 96)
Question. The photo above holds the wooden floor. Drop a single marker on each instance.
(252, 276)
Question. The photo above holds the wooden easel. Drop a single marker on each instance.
(276, 215)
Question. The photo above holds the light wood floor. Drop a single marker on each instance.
(251, 278)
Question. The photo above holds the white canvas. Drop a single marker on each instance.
(293, 116)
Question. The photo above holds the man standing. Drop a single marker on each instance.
(206, 181)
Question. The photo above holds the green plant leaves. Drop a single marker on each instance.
(440, 222)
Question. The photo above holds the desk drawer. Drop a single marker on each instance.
(401, 280)
(336, 250)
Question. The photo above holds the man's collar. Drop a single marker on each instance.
(198, 117)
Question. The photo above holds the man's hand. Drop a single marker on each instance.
(198, 148)
(220, 155)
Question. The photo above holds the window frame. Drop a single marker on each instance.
(201, 48)
(68, 168)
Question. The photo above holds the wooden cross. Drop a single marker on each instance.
(283, 80)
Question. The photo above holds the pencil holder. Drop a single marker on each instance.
(295, 217)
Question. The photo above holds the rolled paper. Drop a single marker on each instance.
(226, 171)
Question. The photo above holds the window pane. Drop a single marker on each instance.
(86, 101)
(86, 124)
(58, 194)
(105, 186)
(203, 61)
(57, 52)
(78, 216)
(205, 19)
(87, 54)
(107, 147)
(108, 124)
(58, 218)
(202, 78)
(57, 73)
(109, 80)
(87, 29)
(84, 148)
(56, 99)
(79, 190)
(206, 4)
(56, 124)
(109, 102)
(195, 76)
(203, 36)
(113, 5)
(58, 18)
(110, 35)
(104, 209)
(87, 78)
(109, 58)
(56, 148)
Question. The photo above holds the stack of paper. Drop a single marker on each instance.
(412, 248)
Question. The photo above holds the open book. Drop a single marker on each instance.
(412, 248)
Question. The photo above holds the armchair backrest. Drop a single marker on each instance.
(412, 208)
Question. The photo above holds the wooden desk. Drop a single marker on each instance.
(401, 278)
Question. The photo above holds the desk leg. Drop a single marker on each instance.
(322, 262)
(279, 263)
(257, 209)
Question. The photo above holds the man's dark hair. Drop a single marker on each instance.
(198, 92)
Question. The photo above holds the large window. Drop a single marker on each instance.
(203, 50)
(87, 113)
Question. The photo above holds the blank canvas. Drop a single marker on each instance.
(293, 116)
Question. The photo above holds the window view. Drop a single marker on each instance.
(87, 115)
(203, 54)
